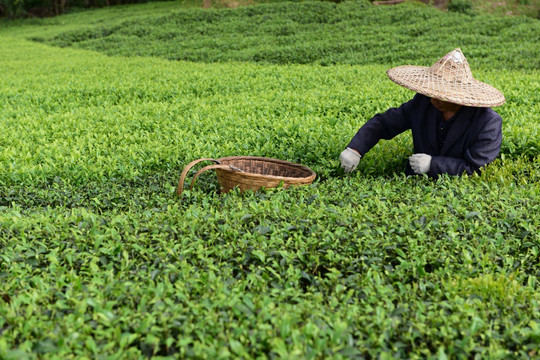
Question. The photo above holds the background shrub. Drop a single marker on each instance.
(41, 8)
(461, 6)
(316, 32)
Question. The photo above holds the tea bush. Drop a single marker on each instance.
(461, 6)
(353, 32)
(100, 258)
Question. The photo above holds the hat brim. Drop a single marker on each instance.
(424, 81)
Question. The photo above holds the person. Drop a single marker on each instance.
(454, 129)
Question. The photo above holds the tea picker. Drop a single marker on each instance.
(454, 129)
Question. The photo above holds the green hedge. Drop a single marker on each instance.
(354, 32)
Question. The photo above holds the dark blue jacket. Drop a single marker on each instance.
(473, 140)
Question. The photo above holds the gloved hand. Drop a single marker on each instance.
(349, 159)
(420, 163)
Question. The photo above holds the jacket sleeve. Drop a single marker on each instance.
(383, 126)
(483, 151)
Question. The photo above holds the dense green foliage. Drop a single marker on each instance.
(30, 8)
(317, 32)
(461, 6)
(99, 258)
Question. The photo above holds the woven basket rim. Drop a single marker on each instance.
(226, 174)
(312, 173)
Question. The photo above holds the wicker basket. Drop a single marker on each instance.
(251, 173)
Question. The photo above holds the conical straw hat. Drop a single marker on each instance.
(449, 79)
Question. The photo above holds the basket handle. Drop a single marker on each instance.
(209, 167)
(185, 171)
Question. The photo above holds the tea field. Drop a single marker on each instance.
(101, 110)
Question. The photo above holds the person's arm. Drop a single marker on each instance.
(383, 126)
(483, 151)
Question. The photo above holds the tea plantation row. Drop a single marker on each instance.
(352, 32)
(100, 259)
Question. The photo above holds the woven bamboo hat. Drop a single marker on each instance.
(449, 79)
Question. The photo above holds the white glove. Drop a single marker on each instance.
(349, 159)
(420, 163)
